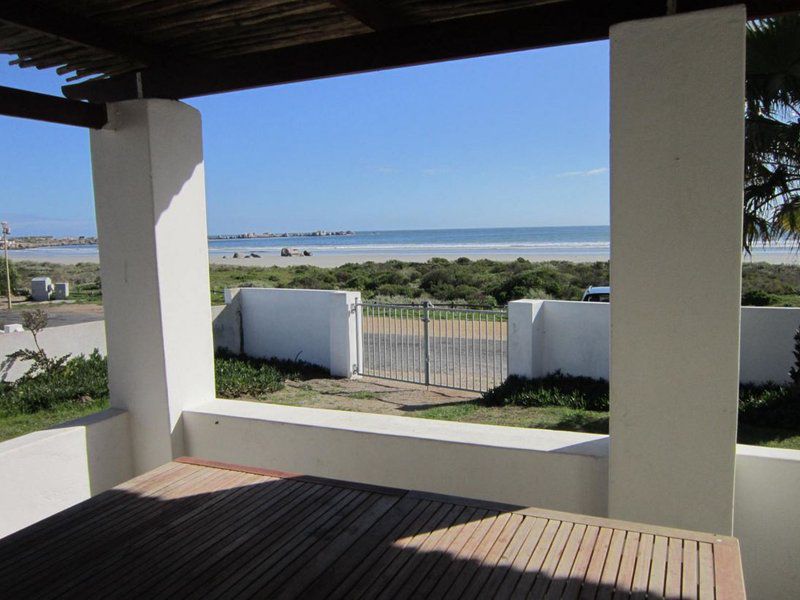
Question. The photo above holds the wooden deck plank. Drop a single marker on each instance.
(641, 576)
(83, 551)
(203, 529)
(581, 565)
(598, 561)
(407, 546)
(672, 586)
(164, 543)
(456, 563)
(689, 581)
(442, 563)
(513, 574)
(411, 574)
(658, 567)
(441, 550)
(728, 580)
(54, 530)
(561, 576)
(259, 547)
(627, 566)
(476, 560)
(547, 573)
(342, 586)
(493, 557)
(506, 561)
(706, 571)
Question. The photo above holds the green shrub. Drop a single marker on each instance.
(80, 380)
(769, 406)
(757, 298)
(239, 376)
(555, 389)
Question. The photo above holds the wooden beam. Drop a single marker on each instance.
(78, 30)
(41, 107)
(375, 15)
(539, 26)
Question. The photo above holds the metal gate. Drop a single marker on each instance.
(458, 348)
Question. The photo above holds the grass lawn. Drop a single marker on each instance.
(769, 416)
(571, 419)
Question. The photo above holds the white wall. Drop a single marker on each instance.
(47, 471)
(317, 326)
(573, 337)
(78, 339)
(551, 469)
(766, 519)
(767, 343)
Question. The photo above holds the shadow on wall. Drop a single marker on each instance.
(289, 538)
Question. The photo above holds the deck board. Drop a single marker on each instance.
(198, 529)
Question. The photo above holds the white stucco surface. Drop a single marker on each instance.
(552, 469)
(317, 326)
(767, 520)
(573, 337)
(81, 338)
(47, 471)
(677, 162)
(149, 188)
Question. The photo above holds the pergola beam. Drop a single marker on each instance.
(375, 15)
(539, 26)
(41, 107)
(78, 30)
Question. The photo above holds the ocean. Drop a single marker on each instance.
(543, 242)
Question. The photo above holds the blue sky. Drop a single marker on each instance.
(511, 140)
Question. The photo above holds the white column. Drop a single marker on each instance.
(525, 338)
(345, 334)
(149, 187)
(677, 136)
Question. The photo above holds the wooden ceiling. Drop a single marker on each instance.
(121, 49)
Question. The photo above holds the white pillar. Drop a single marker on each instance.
(149, 187)
(345, 334)
(525, 338)
(677, 152)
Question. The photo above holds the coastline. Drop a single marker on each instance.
(273, 259)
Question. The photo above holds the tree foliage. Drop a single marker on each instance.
(772, 132)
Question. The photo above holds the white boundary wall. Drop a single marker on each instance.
(573, 337)
(47, 471)
(81, 338)
(317, 326)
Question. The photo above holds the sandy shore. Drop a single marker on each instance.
(335, 260)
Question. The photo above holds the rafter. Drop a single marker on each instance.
(375, 15)
(543, 25)
(41, 107)
(71, 28)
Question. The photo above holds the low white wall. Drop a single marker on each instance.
(573, 337)
(766, 519)
(317, 326)
(81, 338)
(767, 343)
(48, 471)
(551, 469)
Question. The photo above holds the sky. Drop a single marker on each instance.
(503, 141)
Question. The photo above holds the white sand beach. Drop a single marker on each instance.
(274, 259)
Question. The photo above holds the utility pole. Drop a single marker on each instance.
(6, 231)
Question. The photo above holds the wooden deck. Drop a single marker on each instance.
(193, 529)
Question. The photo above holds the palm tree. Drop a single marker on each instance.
(772, 132)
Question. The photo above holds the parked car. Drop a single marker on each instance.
(596, 294)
